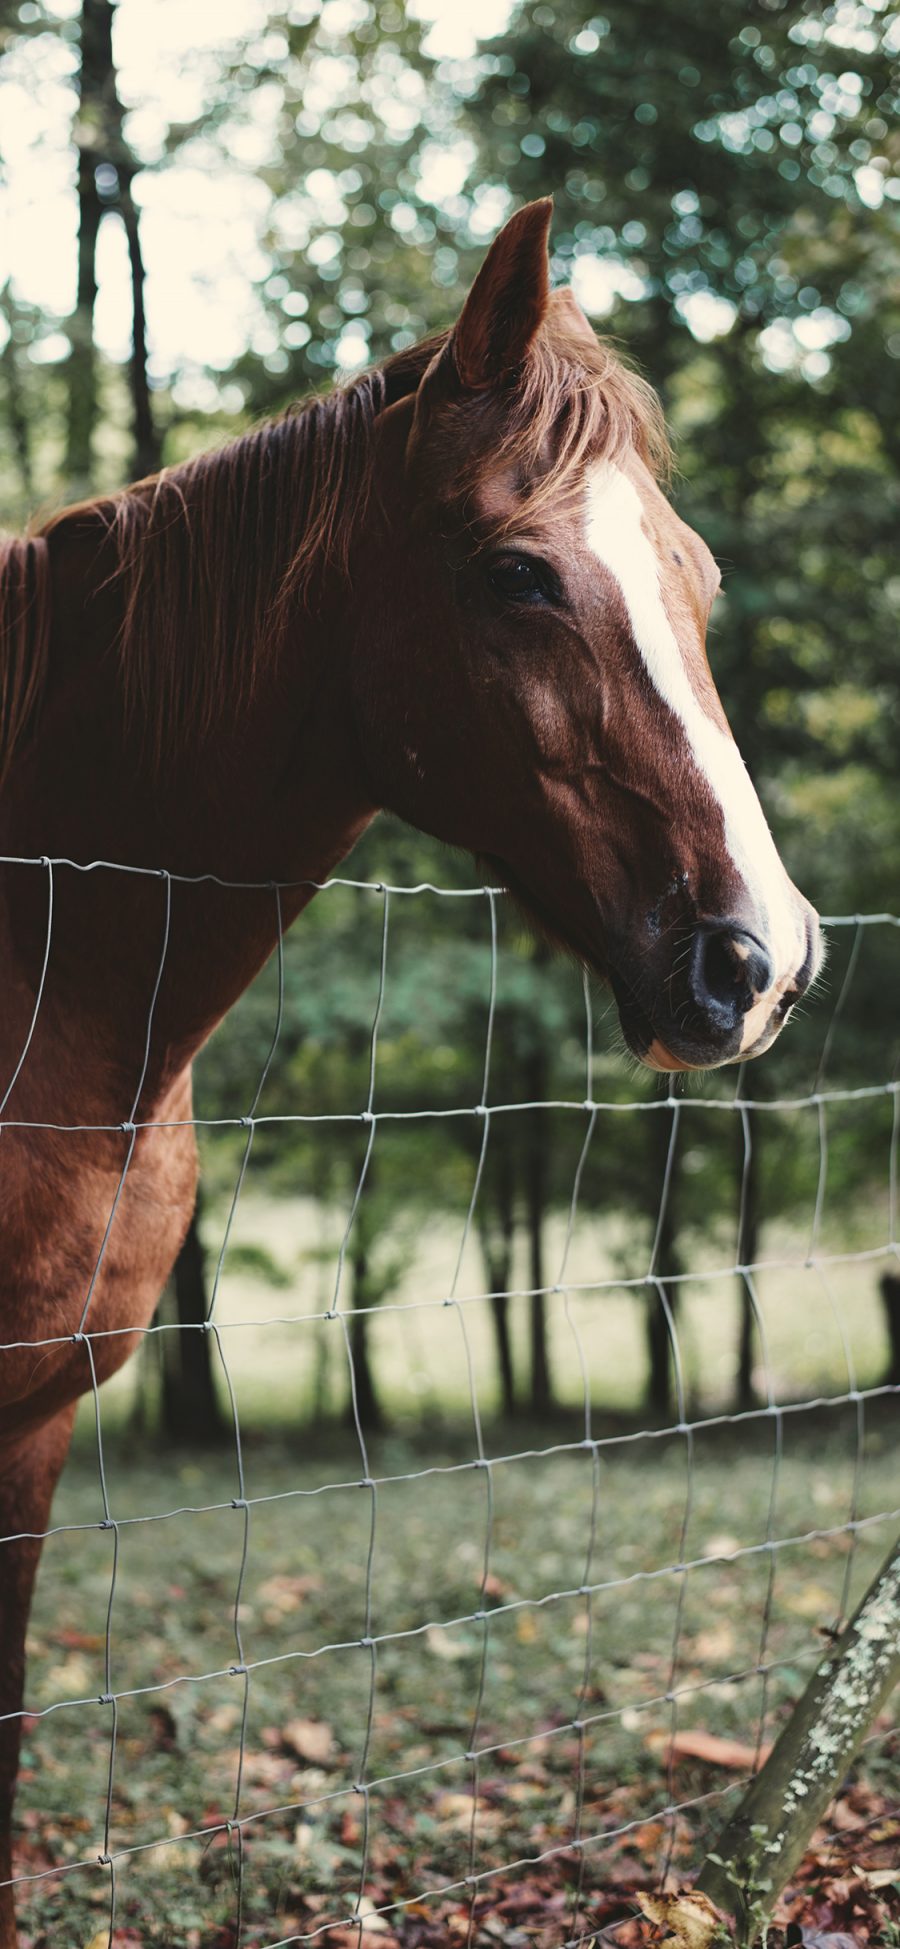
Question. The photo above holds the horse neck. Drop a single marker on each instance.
(279, 797)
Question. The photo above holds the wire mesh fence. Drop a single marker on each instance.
(484, 1649)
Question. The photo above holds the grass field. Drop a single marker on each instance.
(324, 1711)
(823, 1323)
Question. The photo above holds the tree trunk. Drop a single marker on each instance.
(82, 361)
(747, 1250)
(667, 1264)
(760, 1847)
(15, 407)
(147, 444)
(535, 1206)
(890, 1293)
(101, 141)
(95, 81)
(500, 1317)
(323, 1362)
(496, 1229)
(368, 1406)
(190, 1408)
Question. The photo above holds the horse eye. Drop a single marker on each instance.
(517, 578)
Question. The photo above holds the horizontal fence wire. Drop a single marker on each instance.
(670, 1444)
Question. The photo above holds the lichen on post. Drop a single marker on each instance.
(765, 1839)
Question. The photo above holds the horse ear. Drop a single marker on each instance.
(506, 305)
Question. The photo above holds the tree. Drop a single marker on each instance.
(361, 260)
(496, 1220)
(11, 377)
(106, 171)
(190, 1406)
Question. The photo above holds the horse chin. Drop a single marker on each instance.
(660, 1058)
(657, 1057)
(648, 1046)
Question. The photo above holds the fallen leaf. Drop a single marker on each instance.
(71, 1679)
(223, 1719)
(310, 1739)
(442, 1645)
(455, 1809)
(721, 1545)
(267, 1770)
(373, 1923)
(711, 1646)
(283, 1594)
(811, 1600)
(847, 1818)
(689, 1918)
(695, 1744)
(494, 1590)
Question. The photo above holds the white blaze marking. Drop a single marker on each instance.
(616, 535)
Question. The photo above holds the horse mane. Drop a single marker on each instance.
(211, 556)
(24, 639)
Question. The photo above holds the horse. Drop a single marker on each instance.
(454, 588)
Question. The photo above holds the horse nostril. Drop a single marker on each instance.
(730, 969)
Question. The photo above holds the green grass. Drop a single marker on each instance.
(824, 1328)
(548, 1657)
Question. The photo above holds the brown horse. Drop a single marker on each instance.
(455, 589)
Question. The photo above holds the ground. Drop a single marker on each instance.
(502, 1604)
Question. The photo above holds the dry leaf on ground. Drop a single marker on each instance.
(689, 1918)
(310, 1739)
(695, 1744)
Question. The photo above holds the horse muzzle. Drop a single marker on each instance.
(721, 1001)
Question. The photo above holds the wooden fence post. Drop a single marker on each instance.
(765, 1839)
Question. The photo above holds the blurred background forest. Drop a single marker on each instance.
(211, 211)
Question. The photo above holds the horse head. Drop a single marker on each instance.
(532, 683)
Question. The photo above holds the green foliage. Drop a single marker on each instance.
(256, 1262)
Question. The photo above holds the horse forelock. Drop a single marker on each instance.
(572, 402)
